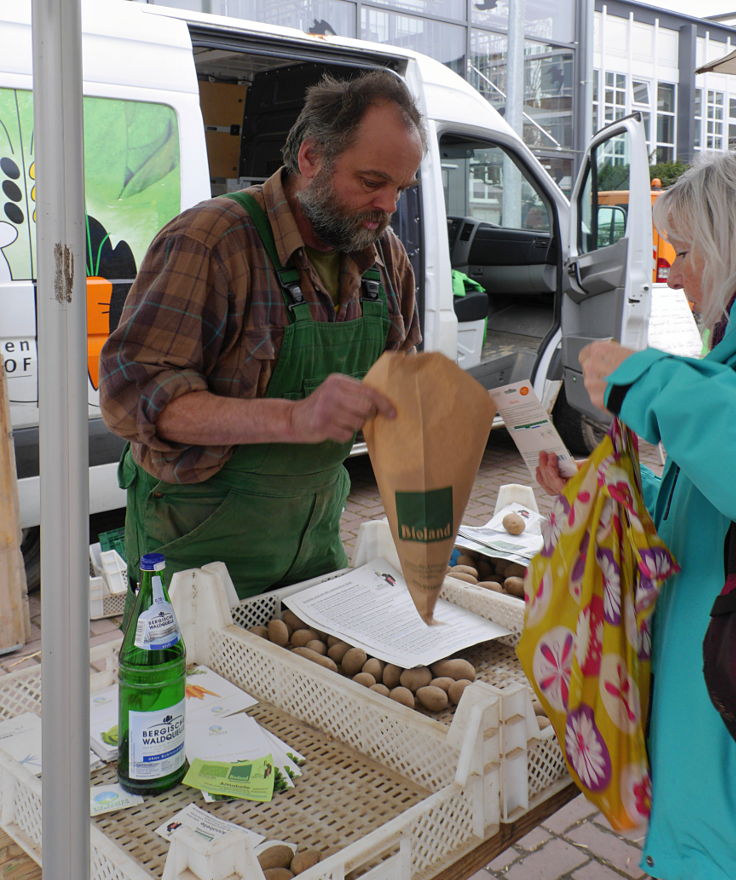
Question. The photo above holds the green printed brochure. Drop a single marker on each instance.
(251, 780)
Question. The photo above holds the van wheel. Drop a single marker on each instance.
(31, 549)
(580, 434)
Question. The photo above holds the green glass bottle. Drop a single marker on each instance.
(151, 685)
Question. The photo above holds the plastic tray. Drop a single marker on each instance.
(368, 820)
(388, 793)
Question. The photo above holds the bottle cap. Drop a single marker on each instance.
(153, 562)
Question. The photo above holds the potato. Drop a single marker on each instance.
(316, 658)
(391, 675)
(290, 619)
(455, 691)
(352, 661)
(402, 695)
(455, 669)
(433, 698)
(278, 874)
(380, 689)
(375, 667)
(513, 523)
(538, 708)
(463, 576)
(486, 569)
(277, 856)
(443, 682)
(304, 858)
(543, 722)
(261, 631)
(491, 585)
(415, 678)
(317, 645)
(337, 651)
(278, 632)
(301, 637)
(514, 586)
(333, 640)
(365, 678)
(514, 569)
(466, 569)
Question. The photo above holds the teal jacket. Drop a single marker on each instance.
(689, 406)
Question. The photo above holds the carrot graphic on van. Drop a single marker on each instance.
(105, 296)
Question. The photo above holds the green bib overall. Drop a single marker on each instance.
(272, 513)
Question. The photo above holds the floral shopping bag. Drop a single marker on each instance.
(586, 645)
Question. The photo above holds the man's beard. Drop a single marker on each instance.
(333, 224)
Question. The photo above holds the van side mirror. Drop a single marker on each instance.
(611, 224)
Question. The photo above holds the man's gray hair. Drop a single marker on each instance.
(334, 109)
(700, 208)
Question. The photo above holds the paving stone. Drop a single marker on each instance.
(553, 860)
(103, 625)
(534, 839)
(598, 871)
(503, 860)
(608, 845)
(573, 812)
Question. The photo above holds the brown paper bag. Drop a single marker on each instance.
(425, 460)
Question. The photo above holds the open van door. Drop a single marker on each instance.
(609, 264)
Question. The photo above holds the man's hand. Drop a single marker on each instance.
(598, 360)
(338, 408)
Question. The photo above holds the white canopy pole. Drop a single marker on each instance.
(63, 443)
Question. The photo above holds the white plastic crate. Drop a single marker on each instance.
(389, 793)
(108, 582)
(370, 820)
(532, 765)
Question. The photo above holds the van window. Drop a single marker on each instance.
(483, 182)
(131, 165)
(601, 224)
(502, 235)
(132, 188)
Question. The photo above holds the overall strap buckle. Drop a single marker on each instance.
(289, 281)
(371, 287)
(288, 278)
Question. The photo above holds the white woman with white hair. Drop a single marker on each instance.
(688, 405)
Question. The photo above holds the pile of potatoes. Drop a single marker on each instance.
(499, 575)
(280, 862)
(432, 687)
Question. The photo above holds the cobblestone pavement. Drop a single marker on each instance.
(575, 843)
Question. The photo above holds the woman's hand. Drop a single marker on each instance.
(599, 360)
(548, 474)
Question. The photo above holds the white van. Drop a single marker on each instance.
(180, 106)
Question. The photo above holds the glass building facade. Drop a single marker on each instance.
(470, 37)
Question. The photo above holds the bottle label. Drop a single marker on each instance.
(155, 742)
(157, 627)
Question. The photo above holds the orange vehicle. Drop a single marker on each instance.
(662, 251)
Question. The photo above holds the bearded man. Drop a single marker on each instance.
(234, 373)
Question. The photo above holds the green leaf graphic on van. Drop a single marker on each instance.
(155, 167)
(425, 516)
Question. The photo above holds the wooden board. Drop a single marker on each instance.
(15, 619)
